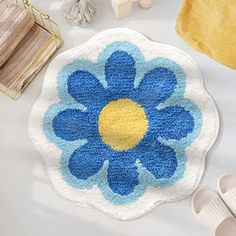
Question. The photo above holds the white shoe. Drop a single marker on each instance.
(212, 214)
(227, 190)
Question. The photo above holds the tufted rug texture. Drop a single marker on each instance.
(123, 124)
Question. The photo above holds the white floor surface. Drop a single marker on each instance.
(28, 204)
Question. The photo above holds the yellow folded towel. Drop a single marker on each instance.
(210, 27)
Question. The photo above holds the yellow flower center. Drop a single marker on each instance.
(122, 124)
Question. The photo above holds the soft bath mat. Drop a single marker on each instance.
(210, 27)
(124, 124)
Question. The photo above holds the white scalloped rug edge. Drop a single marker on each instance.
(116, 70)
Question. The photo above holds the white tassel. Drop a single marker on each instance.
(79, 12)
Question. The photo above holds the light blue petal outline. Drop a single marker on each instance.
(146, 178)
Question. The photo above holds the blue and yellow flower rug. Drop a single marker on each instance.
(124, 124)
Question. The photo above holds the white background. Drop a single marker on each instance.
(28, 204)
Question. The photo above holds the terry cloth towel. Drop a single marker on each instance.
(27, 52)
(15, 23)
(210, 27)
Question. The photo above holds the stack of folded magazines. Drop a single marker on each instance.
(28, 39)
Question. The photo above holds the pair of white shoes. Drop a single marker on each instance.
(216, 213)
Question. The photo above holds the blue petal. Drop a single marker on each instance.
(86, 161)
(120, 72)
(85, 88)
(160, 160)
(122, 174)
(72, 124)
(157, 86)
(173, 123)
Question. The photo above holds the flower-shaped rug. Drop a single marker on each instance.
(124, 124)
